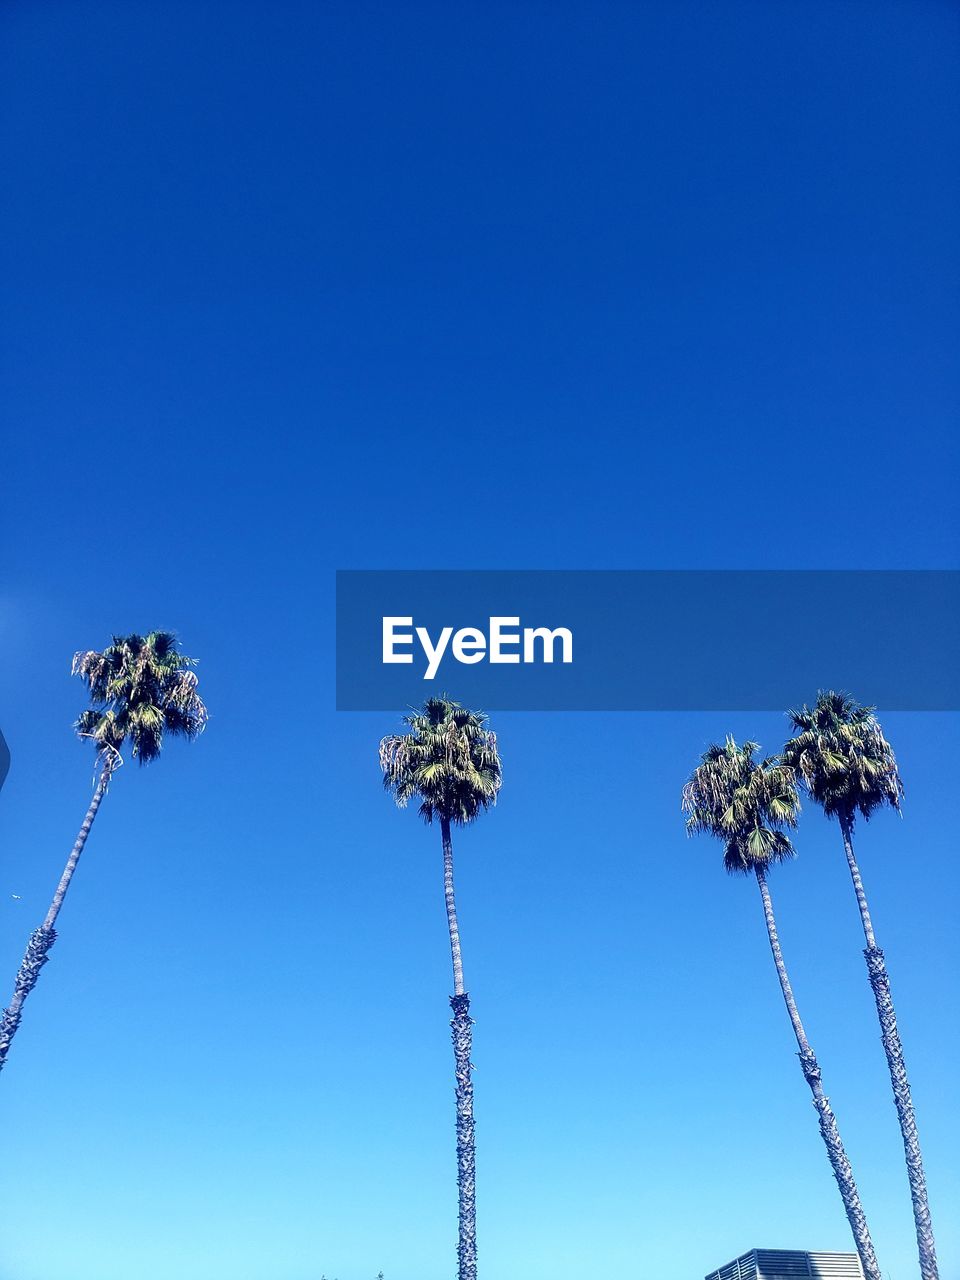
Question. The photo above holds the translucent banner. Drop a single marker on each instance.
(530, 640)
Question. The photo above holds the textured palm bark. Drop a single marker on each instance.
(462, 1025)
(890, 1036)
(451, 904)
(828, 1121)
(42, 939)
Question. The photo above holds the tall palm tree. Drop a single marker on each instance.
(846, 765)
(141, 690)
(747, 804)
(449, 762)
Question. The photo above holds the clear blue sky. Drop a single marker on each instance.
(296, 287)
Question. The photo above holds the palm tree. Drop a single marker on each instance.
(449, 762)
(747, 804)
(846, 765)
(141, 689)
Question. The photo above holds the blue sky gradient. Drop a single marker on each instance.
(294, 288)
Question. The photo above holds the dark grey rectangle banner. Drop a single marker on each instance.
(610, 640)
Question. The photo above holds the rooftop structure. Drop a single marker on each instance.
(790, 1264)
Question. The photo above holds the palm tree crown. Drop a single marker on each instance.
(141, 688)
(842, 758)
(745, 803)
(448, 760)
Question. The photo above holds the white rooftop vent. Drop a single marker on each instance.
(790, 1264)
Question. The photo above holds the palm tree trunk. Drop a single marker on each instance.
(462, 1025)
(828, 1121)
(43, 938)
(890, 1036)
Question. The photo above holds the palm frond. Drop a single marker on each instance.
(449, 760)
(844, 762)
(141, 690)
(744, 802)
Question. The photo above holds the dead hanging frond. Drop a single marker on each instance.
(108, 760)
(182, 697)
